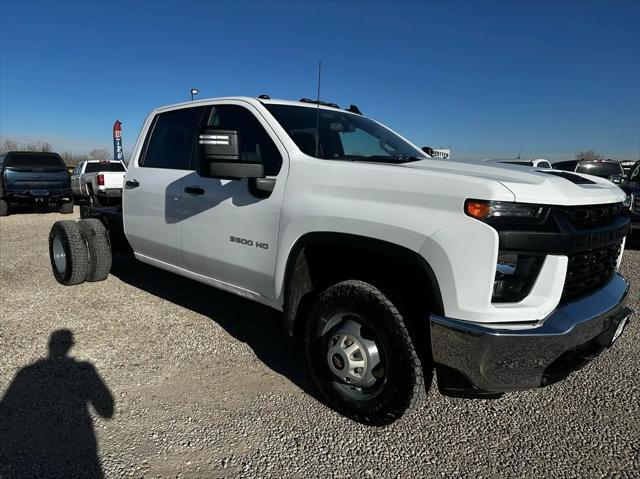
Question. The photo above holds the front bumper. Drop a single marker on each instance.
(487, 359)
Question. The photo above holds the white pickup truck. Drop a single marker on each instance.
(99, 182)
(387, 264)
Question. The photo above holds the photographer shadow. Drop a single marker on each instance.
(45, 426)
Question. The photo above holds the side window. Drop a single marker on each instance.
(172, 139)
(255, 142)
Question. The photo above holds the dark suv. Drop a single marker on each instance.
(631, 186)
(28, 177)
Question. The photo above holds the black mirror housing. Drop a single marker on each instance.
(428, 150)
(219, 156)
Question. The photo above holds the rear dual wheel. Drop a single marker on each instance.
(68, 253)
(360, 356)
(99, 247)
(79, 251)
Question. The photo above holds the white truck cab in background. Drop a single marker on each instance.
(98, 182)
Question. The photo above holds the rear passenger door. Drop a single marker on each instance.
(152, 193)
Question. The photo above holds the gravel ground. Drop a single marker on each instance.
(204, 384)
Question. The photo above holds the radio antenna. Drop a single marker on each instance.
(318, 111)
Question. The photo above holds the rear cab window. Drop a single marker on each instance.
(600, 168)
(35, 162)
(106, 166)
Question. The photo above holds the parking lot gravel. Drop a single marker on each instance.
(183, 380)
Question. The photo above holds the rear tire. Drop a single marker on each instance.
(84, 212)
(68, 253)
(360, 356)
(94, 201)
(66, 208)
(4, 208)
(96, 237)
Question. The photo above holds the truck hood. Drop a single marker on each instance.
(531, 185)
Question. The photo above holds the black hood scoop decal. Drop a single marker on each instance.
(578, 180)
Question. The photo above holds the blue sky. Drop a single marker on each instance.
(485, 78)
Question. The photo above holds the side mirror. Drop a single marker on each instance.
(616, 179)
(219, 156)
(428, 150)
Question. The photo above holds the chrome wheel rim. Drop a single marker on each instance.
(353, 353)
(59, 254)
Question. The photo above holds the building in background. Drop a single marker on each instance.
(444, 153)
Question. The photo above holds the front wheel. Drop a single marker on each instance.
(360, 356)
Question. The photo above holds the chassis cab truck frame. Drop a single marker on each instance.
(387, 264)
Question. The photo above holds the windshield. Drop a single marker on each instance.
(27, 161)
(104, 166)
(603, 169)
(343, 136)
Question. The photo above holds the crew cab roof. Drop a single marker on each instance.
(247, 99)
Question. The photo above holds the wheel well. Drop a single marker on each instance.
(318, 260)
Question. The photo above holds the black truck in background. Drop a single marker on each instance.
(631, 186)
(32, 178)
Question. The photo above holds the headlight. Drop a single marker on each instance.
(484, 210)
(515, 275)
(627, 201)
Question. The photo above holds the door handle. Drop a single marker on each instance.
(194, 190)
(132, 184)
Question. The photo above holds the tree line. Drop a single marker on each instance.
(70, 159)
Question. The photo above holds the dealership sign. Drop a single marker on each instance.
(118, 154)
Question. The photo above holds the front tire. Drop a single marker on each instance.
(68, 253)
(97, 239)
(360, 356)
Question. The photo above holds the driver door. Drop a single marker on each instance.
(229, 232)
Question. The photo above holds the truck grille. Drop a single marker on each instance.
(592, 216)
(589, 271)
